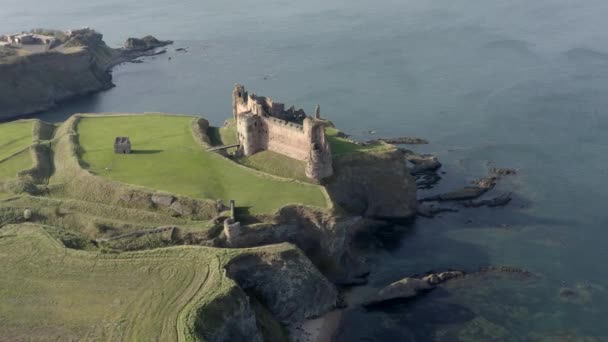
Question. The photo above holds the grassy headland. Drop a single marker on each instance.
(341, 145)
(166, 157)
(51, 292)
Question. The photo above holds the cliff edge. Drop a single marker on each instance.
(375, 184)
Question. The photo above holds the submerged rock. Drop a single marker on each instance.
(402, 141)
(498, 171)
(566, 293)
(430, 210)
(427, 181)
(411, 287)
(493, 202)
(480, 187)
(405, 288)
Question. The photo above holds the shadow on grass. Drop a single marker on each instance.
(214, 135)
(244, 215)
(146, 151)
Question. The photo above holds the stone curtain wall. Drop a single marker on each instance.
(287, 138)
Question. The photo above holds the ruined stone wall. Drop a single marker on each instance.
(287, 138)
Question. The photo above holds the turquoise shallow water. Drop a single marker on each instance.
(518, 83)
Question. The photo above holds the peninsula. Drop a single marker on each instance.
(154, 226)
(41, 68)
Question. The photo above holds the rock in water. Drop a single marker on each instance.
(145, 43)
(402, 289)
(503, 171)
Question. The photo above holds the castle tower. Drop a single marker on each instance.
(317, 112)
(238, 95)
(319, 161)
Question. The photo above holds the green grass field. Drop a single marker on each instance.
(340, 146)
(19, 162)
(166, 157)
(52, 293)
(276, 164)
(14, 137)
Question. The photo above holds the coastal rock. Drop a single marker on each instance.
(325, 239)
(288, 284)
(480, 187)
(494, 202)
(422, 163)
(427, 180)
(405, 288)
(430, 210)
(145, 43)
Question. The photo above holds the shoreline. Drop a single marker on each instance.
(321, 329)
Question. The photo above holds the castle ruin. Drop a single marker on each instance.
(263, 124)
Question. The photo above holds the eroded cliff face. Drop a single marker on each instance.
(287, 284)
(34, 82)
(327, 240)
(37, 82)
(374, 184)
(228, 318)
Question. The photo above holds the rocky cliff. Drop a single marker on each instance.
(285, 282)
(37, 82)
(374, 184)
(33, 82)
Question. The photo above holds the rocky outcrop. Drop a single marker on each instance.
(374, 185)
(326, 239)
(145, 43)
(287, 283)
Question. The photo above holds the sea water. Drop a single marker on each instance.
(516, 83)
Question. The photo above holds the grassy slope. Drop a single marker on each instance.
(53, 293)
(19, 162)
(14, 137)
(341, 146)
(166, 157)
(265, 161)
(276, 164)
